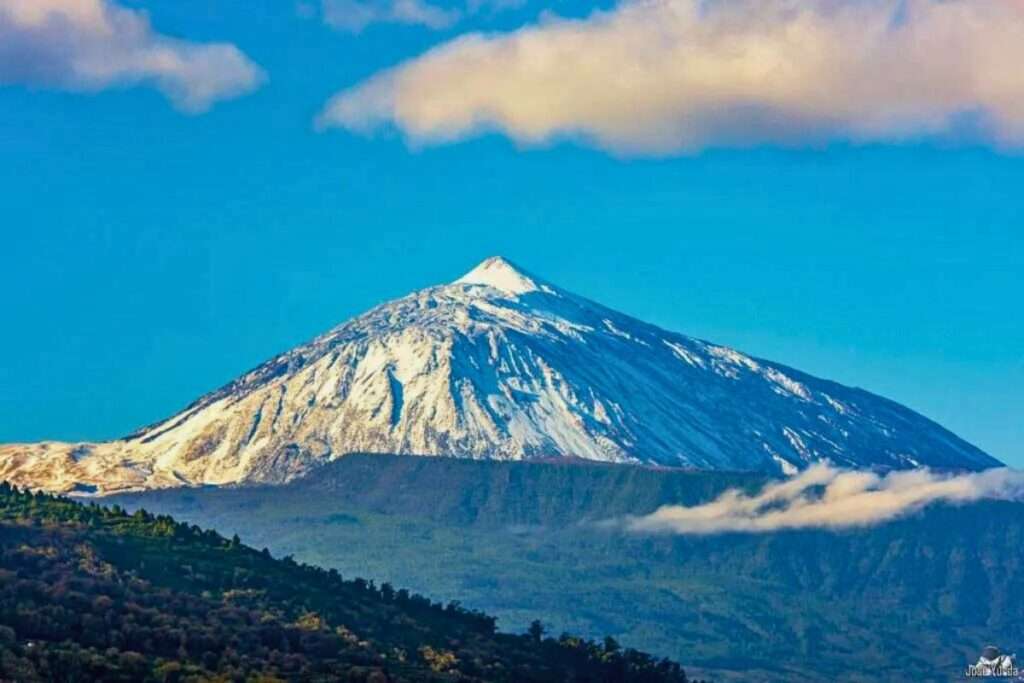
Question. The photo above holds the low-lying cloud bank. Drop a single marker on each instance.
(667, 76)
(827, 497)
(91, 45)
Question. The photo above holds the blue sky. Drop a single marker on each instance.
(158, 243)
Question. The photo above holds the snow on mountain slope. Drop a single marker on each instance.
(500, 364)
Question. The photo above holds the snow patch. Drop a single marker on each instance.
(786, 385)
(684, 354)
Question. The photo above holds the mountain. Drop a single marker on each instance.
(94, 594)
(915, 599)
(502, 365)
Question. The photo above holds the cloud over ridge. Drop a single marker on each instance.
(826, 497)
(91, 45)
(656, 77)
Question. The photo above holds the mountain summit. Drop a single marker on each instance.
(501, 274)
(500, 364)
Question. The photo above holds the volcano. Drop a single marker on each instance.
(500, 364)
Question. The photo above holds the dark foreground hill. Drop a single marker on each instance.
(913, 599)
(95, 594)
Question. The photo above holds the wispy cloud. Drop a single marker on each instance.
(91, 45)
(668, 76)
(355, 15)
(826, 497)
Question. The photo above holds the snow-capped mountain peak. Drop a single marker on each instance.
(501, 364)
(501, 274)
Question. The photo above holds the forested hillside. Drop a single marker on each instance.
(95, 594)
(922, 593)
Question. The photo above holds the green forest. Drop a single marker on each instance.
(93, 593)
(524, 541)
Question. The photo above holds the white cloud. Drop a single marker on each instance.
(355, 15)
(826, 497)
(91, 45)
(669, 76)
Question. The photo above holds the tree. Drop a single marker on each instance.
(536, 630)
